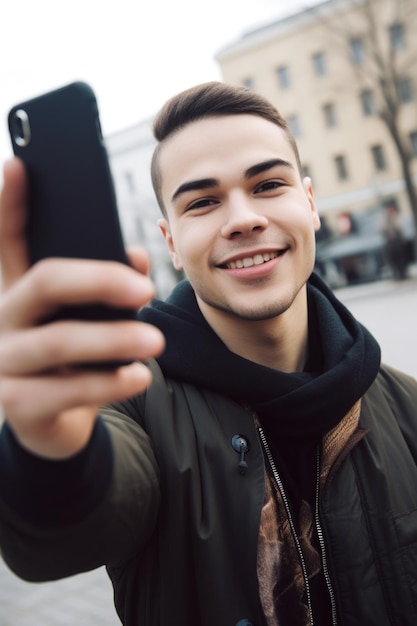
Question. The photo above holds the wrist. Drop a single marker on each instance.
(58, 438)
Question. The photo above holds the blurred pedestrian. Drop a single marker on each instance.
(395, 242)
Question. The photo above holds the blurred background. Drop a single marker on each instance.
(343, 73)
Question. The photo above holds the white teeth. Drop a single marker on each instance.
(248, 261)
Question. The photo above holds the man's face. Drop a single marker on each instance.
(241, 221)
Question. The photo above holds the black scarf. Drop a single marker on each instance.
(294, 409)
(343, 361)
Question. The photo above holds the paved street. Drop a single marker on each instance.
(84, 600)
(387, 309)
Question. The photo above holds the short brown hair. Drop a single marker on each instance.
(212, 99)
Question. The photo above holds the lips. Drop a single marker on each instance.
(249, 261)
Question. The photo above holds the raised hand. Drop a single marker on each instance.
(50, 404)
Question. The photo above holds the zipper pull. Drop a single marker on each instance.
(241, 446)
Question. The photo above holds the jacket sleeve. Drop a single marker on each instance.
(401, 393)
(59, 518)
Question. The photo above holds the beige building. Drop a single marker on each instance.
(314, 66)
(130, 153)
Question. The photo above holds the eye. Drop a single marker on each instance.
(269, 185)
(202, 203)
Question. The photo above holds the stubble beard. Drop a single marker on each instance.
(254, 313)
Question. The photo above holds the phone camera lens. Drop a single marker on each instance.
(21, 128)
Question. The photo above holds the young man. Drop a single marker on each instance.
(267, 475)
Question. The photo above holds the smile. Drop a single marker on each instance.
(249, 261)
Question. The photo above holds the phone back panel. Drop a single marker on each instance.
(73, 210)
(72, 202)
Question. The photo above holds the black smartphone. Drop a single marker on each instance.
(72, 201)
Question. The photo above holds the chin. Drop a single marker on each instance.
(253, 309)
(270, 308)
(260, 314)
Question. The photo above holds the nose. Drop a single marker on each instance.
(242, 217)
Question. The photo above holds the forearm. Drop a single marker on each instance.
(52, 492)
(75, 515)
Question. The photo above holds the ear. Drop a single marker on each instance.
(165, 229)
(308, 188)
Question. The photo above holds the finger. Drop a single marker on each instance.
(54, 283)
(67, 343)
(27, 400)
(13, 250)
(139, 259)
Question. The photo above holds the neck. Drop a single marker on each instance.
(280, 343)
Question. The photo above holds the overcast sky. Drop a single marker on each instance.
(135, 54)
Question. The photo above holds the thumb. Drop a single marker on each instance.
(139, 260)
(14, 260)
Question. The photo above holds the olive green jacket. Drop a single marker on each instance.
(178, 525)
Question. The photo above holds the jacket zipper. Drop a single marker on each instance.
(319, 530)
(323, 546)
(280, 485)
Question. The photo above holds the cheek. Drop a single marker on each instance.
(188, 247)
(311, 219)
(303, 220)
(303, 232)
(316, 222)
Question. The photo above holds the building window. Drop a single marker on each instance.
(329, 113)
(284, 79)
(249, 83)
(294, 125)
(319, 64)
(413, 141)
(404, 90)
(396, 36)
(357, 50)
(368, 102)
(379, 158)
(341, 167)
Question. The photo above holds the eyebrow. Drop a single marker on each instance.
(195, 185)
(254, 170)
(265, 166)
